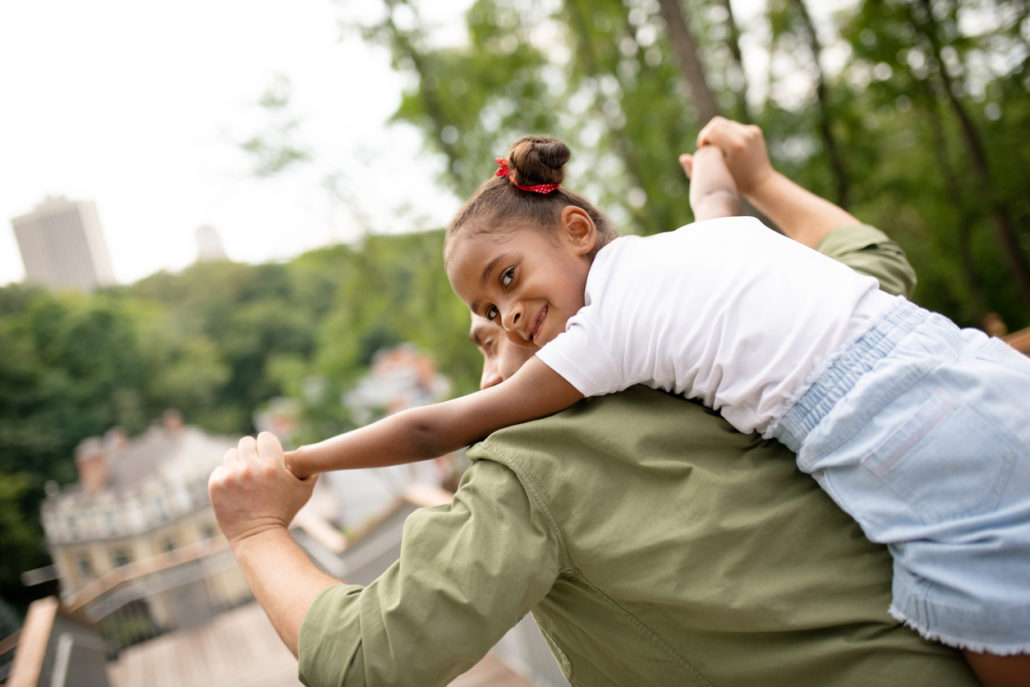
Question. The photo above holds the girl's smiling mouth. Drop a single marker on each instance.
(538, 322)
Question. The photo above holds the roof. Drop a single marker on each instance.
(181, 455)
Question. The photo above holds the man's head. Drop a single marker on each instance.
(501, 357)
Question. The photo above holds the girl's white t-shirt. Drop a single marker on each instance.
(726, 311)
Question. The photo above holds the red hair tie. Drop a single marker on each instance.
(505, 172)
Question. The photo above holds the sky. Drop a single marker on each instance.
(141, 108)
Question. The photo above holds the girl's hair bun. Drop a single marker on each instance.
(538, 160)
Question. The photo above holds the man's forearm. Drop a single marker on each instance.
(803, 216)
(283, 579)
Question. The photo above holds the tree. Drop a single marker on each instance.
(931, 29)
(21, 541)
(690, 65)
(949, 216)
(792, 25)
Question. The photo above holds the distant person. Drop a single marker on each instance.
(653, 543)
(916, 428)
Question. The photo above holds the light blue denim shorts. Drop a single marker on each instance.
(921, 431)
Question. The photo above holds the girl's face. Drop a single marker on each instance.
(526, 280)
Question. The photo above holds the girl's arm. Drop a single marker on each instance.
(425, 432)
(713, 193)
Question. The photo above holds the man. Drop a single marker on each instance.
(653, 544)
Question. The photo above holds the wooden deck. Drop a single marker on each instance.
(241, 648)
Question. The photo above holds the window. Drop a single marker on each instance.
(122, 557)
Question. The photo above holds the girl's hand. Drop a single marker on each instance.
(743, 147)
(687, 162)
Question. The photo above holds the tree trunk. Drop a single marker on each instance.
(963, 223)
(690, 66)
(406, 48)
(1000, 215)
(743, 109)
(825, 130)
(623, 146)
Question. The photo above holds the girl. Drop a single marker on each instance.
(919, 430)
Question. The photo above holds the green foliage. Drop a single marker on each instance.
(19, 534)
(920, 128)
(9, 620)
(71, 368)
(914, 77)
(275, 149)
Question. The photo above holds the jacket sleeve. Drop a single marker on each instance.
(467, 573)
(869, 251)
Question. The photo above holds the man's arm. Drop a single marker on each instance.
(802, 215)
(426, 619)
(467, 573)
(255, 498)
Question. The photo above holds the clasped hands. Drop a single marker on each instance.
(253, 492)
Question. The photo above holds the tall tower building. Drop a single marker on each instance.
(209, 244)
(62, 245)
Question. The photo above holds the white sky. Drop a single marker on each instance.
(140, 107)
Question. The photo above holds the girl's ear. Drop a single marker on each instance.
(578, 229)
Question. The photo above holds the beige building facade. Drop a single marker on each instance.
(135, 539)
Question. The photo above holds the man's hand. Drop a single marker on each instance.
(743, 147)
(800, 214)
(253, 492)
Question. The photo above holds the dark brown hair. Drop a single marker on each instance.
(499, 204)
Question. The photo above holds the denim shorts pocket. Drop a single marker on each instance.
(945, 460)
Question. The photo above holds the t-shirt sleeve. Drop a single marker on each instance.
(582, 357)
(868, 250)
(467, 573)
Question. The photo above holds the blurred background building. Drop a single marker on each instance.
(134, 542)
(62, 245)
(209, 244)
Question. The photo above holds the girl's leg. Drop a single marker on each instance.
(1000, 671)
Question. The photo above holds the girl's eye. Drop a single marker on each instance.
(492, 313)
(508, 276)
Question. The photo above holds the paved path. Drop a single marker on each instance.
(240, 648)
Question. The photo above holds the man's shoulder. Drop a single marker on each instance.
(625, 426)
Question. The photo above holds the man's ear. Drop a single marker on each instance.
(578, 229)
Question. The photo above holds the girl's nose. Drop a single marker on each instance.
(511, 319)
